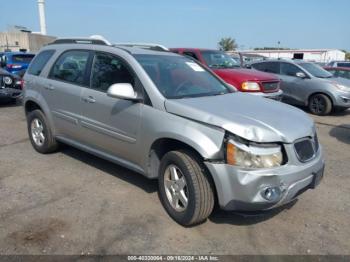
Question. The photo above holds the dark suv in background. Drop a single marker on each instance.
(307, 84)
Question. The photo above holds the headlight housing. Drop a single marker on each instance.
(342, 87)
(245, 154)
(250, 86)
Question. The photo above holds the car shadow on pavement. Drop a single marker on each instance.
(247, 218)
(341, 133)
(148, 185)
(9, 103)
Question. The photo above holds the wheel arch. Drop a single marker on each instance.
(320, 93)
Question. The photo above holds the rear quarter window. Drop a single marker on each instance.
(22, 58)
(39, 62)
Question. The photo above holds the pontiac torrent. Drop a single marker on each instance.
(169, 118)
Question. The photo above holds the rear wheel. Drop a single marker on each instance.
(320, 104)
(40, 134)
(185, 189)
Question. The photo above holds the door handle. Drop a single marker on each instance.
(89, 99)
(49, 87)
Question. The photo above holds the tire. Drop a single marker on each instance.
(43, 144)
(198, 188)
(320, 104)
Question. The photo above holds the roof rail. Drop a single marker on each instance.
(80, 40)
(150, 46)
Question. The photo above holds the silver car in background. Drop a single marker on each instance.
(307, 84)
(169, 118)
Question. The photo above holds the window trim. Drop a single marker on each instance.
(138, 84)
(47, 61)
(87, 68)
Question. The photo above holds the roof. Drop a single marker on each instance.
(130, 50)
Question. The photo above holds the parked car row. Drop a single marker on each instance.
(307, 84)
(171, 118)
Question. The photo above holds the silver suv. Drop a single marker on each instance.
(168, 118)
(307, 84)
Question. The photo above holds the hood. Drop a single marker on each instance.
(245, 74)
(253, 118)
(340, 80)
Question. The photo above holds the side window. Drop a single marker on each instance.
(108, 70)
(269, 67)
(289, 69)
(39, 61)
(71, 67)
(191, 54)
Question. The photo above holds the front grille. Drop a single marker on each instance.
(306, 149)
(270, 86)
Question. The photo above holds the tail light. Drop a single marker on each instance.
(13, 66)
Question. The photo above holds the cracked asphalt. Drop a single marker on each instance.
(71, 202)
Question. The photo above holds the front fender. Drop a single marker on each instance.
(207, 140)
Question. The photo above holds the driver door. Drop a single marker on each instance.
(110, 124)
(291, 84)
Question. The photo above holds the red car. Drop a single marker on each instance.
(343, 72)
(245, 80)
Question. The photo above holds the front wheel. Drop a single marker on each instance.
(185, 188)
(320, 104)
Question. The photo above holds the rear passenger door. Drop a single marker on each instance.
(62, 91)
(110, 124)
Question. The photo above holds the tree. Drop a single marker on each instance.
(347, 56)
(227, 44)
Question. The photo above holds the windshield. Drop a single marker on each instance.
(218, 59)
(180, 77)
(22, 58)
(316, 70)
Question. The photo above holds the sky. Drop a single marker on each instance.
(192, 23)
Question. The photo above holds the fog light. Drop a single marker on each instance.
(271, 193)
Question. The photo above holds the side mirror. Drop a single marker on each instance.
(300, 75)
(123, 91)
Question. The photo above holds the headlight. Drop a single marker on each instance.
(342, 87)
(7, 80)
(250, 86)
(252, 155)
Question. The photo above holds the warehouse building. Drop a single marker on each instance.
(314, 55)
(21, 39)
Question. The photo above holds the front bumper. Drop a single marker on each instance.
(240, 189)
(342, 100)
(10, 92)
(274, 95)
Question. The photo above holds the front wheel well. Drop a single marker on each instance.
(30, 106)
(319, 93)
(164, 145)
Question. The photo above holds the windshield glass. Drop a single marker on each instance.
(180, 77)
(218, 59)
(22, 58)
(316, 70)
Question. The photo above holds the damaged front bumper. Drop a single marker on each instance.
(261, 189)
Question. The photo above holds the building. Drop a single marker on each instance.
(17, 40)
(314, 55)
